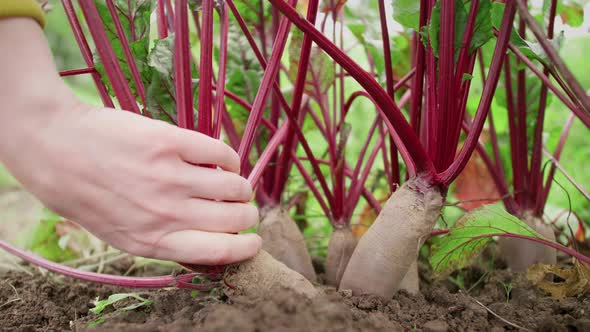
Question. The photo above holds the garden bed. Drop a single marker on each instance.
(50, 303)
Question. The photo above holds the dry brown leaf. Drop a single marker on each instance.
(365, 219)
(475, 185)
(576, 280)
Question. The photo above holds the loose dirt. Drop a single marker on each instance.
(506, 302)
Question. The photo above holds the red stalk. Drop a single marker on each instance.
(128, 55)
(453, 130)
(363, 152)
(219, 99)
(182, 68)
(536, 175)
(265, 158)
(552, 54)
(264, 91)
(170, 11)
(517, 160)
(446, 112)
(85, 50)
(109, 60)
(418, 82)
(309, 181)
(584, 117)
(161, 20)
(389, 81)
(412, 152)
(204, 124)
(355, 192)
(74, 72)
(181, 281)
(487, 95)
(284, 165)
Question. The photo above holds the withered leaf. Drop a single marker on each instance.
(576, 280)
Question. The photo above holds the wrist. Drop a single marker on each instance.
(33, 93)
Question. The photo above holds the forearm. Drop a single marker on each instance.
(31, 91)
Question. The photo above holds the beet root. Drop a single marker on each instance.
(340, 249)
(283, 240)
(411, 281)
(262, 275)
(388, 249)
(519, 254)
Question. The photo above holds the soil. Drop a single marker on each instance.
(506, 301)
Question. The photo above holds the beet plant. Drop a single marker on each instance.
(419, 121)
(525, 96)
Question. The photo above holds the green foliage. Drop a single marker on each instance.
(101, 305)
(160, 86)
(471, 234)
(532, 50)
(359, 21)
(571, 11)
(407, 13)
(244, 73)
(45, 241)
(96, 322)
(482, 30)
(320, 72)
(135, 20)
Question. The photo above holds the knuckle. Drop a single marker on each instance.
(162, 141)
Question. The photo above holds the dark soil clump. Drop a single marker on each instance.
(494, 301)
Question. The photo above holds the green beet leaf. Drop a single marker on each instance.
(471, 234)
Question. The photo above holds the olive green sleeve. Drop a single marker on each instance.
(22, 8)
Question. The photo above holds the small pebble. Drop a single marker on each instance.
(345, 293)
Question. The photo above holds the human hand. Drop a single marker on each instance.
(129, 180)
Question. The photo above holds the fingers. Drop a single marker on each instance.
(196, 247)
(216, 184)
(196, 148)
(213, 216)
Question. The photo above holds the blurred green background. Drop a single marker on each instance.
(575, 158)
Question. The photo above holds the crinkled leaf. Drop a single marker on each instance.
(434, 26)
(471, 234)
(407, 13)
(135, 20)
(243, 75)
(575, 280)
(482, 29)
(101, 305)
(160, 84)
